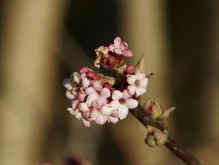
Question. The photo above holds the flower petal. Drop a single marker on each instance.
(78, 116)
(97, 85)
(100, 119)
(131, 103)
(85, 122)
(131, 89)
(118, 51)
(114, 105)
(140, 76)
(115, 113)
(127, 53)
(106, 110)
(111, 48)
(126, 95)
(105, 92)
(85, 82)
(131, 78)
(117, 95)
(123, 111)
(117, 42)
(91, 98)
(69, 95)
(83, 107)
(81, 96)
(72, 111)
(113, 119)
(143, 83)
(140, 91)
(90, 90)
(97, 104)
(124, 46)
(74, 103)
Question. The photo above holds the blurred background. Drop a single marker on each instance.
(42, 42)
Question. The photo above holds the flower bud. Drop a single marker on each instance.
(84, 70)
(155, 111)
(130, 69)
(153, 108)
(121, 62)
(156, 137)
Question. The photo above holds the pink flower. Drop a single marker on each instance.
(120, 47)
(122, 105)
(118, 104)
(137, 83)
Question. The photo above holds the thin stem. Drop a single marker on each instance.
(171, 143)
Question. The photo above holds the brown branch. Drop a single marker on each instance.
(171, 143)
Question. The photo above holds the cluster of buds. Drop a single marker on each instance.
(100, 98)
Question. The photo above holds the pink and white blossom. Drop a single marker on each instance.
(120, 47)
(99, 98)
(137, 84)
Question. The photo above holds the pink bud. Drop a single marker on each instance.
(84, 70)
(130, 69)
(112, 60)
(121, 62)
(91, 74)
(107, 85)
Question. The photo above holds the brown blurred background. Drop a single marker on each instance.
(42, 42)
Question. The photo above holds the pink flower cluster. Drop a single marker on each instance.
(99, 98)
(111, 57)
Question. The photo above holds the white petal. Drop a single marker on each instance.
(118, 51)
(140, 76)
(91, 98)
(83, 107)
(94, 113)
(86, 123)
(100, 119)
(131, 78)
(143, 83)
(74, 103)
(131, 89)
(114, 105)
(131, 103)
(123, 111)
(113, 119)
(140, 91)
(106, 110)
(69, 95)
(90, 90)
(85, 82)
(78, 116)
(117, 95)
(105, 92)
(72, 111)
